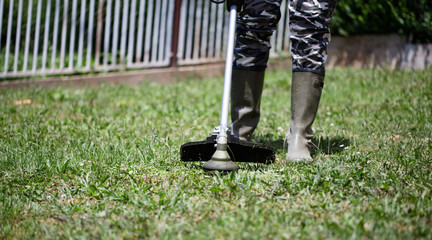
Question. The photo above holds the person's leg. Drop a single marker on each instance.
(310, 35)
(255, 25)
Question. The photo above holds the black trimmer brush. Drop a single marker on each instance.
(221, 148)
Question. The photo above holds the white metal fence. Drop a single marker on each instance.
(51, 37)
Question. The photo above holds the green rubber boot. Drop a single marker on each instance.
(305, 97)
(246, 90)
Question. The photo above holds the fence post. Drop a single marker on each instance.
(18, 35)
(45, 42)
(64, 35)
(1, 18)
(90, 35)
(8, 37)
(99, 33)
(27, 38)
(36, 35)
(175, 41)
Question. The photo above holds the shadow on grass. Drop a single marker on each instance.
(321, 144)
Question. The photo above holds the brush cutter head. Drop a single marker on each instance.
(239, 151)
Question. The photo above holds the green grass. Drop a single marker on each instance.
(103, 162)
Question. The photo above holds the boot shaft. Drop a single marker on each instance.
(306, 91)
(246, 91)
(305, 97)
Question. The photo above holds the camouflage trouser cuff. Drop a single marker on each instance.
(250, 68)
(319, 72)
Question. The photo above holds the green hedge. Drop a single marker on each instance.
(408, 17)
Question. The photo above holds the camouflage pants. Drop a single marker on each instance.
(309, 33)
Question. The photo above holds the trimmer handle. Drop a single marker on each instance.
(238, 3)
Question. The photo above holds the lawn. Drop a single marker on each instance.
(103, 163)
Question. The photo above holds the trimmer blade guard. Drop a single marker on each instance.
(239, 151)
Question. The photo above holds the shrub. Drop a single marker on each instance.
(407, 17)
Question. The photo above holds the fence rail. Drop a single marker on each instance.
(51, 37)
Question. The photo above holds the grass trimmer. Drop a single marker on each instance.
(228, 147)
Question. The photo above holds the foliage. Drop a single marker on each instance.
(103, 162)
(411, 18)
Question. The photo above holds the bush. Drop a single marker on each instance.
(406, 17)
